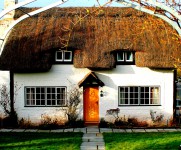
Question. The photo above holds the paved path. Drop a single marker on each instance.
(92, 138)
(94, 130)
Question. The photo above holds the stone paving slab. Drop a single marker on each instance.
(31, 130)
(138, 130)
(5, 130)
(105, 130)
(92, 139)
(178, 130)
(129, 130)
(57, 130)
(161, 130)
(92, 147)
(43, 131)
(92, 130)
(80, 130)
(170, 130)
(69, 130)
(116, 130)
(18, 130)
(151, 130)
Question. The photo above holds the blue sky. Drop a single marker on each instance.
(70, 3)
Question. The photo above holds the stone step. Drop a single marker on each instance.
(92, 139)
(92, 146)
(92, 135)
(92, 130)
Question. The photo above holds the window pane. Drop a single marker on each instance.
(53, 96)
(37, 96)
(123, 95)
(49, 90)
(61, 96)
(53, 102)
(42, 90)
(30, 96)
(133, 95)
(178, 99)
(120, 56)
(42, 102)
(129, 56)
(155, 96)
(59, 56)
(67, 56)
(48, 102)
(48, 96)
(37, 102)
(37, 90)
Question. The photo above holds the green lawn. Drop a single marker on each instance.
(41, 141)
(142, 141)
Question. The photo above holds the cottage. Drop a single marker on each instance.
(121, 59)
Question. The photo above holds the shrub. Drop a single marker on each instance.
(11, 117)
(48, 123)
(75, 124)
(26, 124)
(72, 106)
(103, 123)
(156, 118)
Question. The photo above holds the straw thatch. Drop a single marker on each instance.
(95, 39)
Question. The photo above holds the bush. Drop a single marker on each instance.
(10, 121)
(103, 123)
(74, 123)
(47, 123)
(120, 122)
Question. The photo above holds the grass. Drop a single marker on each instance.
(40, 141)
(142, 141)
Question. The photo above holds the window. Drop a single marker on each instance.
(138, 95)
(63, 56)
(125, 57)
(178, 98)
(45, 96)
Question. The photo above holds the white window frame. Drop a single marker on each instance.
(124, 54)
(120, 60)
(139, 97)
(178, 97)
(63, 56)
(68, 60)
(57, 55)
(129, 60)
(34, 100)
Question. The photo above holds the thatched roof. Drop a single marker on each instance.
(95, 39)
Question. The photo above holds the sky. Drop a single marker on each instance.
(70, 3)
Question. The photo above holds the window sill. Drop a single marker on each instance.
(137, 105)
(45, 106)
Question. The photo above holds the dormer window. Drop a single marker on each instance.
(125, 57)
(63, 56)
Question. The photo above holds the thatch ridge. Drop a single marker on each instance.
(32, 43)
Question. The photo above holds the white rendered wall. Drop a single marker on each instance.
(67, 75)
(136, 76)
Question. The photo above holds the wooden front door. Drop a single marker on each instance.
(91, 105)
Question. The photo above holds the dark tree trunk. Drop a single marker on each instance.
(12, 91)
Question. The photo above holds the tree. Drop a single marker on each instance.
(73, 103)
(11, 118)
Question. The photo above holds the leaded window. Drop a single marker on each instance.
(139, 95)
(45, 96)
